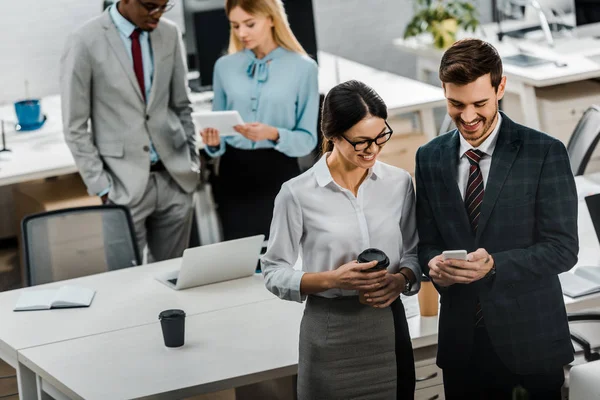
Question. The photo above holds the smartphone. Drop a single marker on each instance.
(455, 255)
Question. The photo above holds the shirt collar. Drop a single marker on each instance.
(488, 145)
(258, 66)
(324, 178)
(123, 25)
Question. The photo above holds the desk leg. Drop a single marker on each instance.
(428, 123)
(529, 106)
(27, 383)
(422, 71)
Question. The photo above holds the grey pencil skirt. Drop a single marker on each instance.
(349, 351)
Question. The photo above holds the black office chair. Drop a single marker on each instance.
(589, 353)
(75, 242)
(584, 140)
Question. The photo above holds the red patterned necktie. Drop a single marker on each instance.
(474, 192)
(473, 198)
(138, 65)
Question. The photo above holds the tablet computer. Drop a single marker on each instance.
(223, 121)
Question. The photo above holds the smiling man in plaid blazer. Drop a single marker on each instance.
(506, 194)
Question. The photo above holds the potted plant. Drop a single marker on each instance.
(442, 19)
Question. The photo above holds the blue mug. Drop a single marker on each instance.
(29, 113)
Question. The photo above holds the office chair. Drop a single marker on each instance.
(589, 354)
(74, 242)
(584, 140)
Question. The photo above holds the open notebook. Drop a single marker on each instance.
(584, 281)
(64, 297)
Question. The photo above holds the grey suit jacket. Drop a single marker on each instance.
(98, 85)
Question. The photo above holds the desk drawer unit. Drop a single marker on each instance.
(428, 375)
(430, 393)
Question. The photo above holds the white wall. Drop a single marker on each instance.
(32, 37)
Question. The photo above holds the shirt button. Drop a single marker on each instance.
(147, 117)
(146, 148)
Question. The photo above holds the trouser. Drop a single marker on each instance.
(486, 377)
(162, 219)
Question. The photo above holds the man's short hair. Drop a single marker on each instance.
(469, 59)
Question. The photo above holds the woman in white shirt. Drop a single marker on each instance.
(354, 339)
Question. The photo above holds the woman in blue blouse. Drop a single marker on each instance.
(268, 78)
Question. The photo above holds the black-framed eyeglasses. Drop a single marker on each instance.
(153, 9)
(380, 140)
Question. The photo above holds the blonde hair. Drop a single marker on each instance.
(282, 34)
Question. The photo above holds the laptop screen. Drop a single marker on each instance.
(593, 205)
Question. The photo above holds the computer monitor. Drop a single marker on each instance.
(587, 17)
(212, 35)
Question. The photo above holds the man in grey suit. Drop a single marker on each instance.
(125, 73)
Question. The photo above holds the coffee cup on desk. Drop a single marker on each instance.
(172, 323)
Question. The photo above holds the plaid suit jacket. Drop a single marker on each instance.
(528, 223)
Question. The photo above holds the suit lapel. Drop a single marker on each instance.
(450, 171)
(115, 42)
(158, 52)
(505, 153)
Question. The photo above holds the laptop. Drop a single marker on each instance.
(213, 263)
(593, 205)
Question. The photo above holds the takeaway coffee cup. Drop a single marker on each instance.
(428, 298)
(374, 255)
(173, 327)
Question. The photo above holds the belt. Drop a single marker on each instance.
(157, 166)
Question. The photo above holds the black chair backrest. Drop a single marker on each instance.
(69, 243)
(584, 140)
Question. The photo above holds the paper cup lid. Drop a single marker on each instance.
(168, 314)
(374, 255)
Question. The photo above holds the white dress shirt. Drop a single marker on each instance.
(330, 226)
(487, 147)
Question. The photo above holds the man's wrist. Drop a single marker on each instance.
(492, 270)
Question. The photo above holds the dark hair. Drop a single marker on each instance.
(346, 105)
(469, 59)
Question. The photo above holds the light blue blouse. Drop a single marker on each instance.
(280, 90)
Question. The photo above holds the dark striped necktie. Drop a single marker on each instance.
(474, 192)
(473, 198)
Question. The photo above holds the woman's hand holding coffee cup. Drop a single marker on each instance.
(392, 288)
(353, 276)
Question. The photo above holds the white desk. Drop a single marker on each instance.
(521, 81)
(125, 298)
(35, 154)
(401, 95)
(224, 349)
